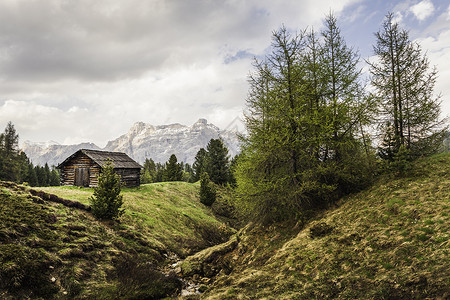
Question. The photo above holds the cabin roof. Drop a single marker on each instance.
(120, 160)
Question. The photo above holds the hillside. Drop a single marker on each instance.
(390, 241)
(50, 250)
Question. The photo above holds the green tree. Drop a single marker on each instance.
(9, 154)
(41, 176)
(106, 202)
(149, 171)
(173, 170)
(304, 145)
(188, 173)
(404, 86)
(217, 163)
(54, 179)
(199, 165)
(31, 175)
(207, 190)
(160, 172)
(145, 176)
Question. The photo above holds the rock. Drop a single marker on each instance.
(144, 141)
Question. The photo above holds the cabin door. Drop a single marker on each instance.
(82, 177)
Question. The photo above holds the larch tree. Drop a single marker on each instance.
(404, 84)
(305, 108)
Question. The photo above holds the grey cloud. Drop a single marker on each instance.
(105, 41)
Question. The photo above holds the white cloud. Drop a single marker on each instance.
(438, 52)
(79, 71)
(398, 17)
(46, 121)
(423, 9)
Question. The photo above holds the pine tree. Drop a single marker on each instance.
(207, 190)
(188, 173)
(217, 164)
(160, 171)
(173, 170)
(149, 171)
(41, 176)
(199, 165)
(106, 202)
(404, 85)
(54, 179)
(9, 154)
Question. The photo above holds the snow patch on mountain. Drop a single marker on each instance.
(144, 141)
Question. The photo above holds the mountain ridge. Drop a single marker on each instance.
(143, 141)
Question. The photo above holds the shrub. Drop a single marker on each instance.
(207, 190)
(107, 201)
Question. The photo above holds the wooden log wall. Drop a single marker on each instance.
(129, 177)
(80, 161)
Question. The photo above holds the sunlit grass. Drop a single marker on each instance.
(391, 240)
(168, 213)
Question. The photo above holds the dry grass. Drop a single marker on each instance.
(390, 241)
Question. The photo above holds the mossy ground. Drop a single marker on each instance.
(50, 251)
(390, 241)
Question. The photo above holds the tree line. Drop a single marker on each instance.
(16, 166)
(214, 160)
(310, 135)
(212, 166)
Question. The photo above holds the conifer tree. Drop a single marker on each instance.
(9, 154)
(54, 179)
(106, 202)
(173, 170)
(199, 165)
(207, 190)
(404, 84)
(32, 177)
(217, 164)
(306, 106)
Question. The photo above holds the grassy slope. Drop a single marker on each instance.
(49, 250)
(390, 241)
(168, 214)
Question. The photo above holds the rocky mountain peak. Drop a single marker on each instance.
(144, 141)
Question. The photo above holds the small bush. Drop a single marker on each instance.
(207, 190)
(107, 201)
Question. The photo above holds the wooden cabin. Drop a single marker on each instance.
(83, 167)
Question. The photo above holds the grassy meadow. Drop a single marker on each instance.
(390, 241)
(48, 250)
(169, 214)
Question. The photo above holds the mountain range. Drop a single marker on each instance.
(144, 141)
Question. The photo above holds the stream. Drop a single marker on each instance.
(189, 287)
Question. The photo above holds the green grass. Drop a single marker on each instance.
(168, 214)
(389, 241)
(48, 250)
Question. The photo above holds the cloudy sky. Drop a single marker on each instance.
(75, 70)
